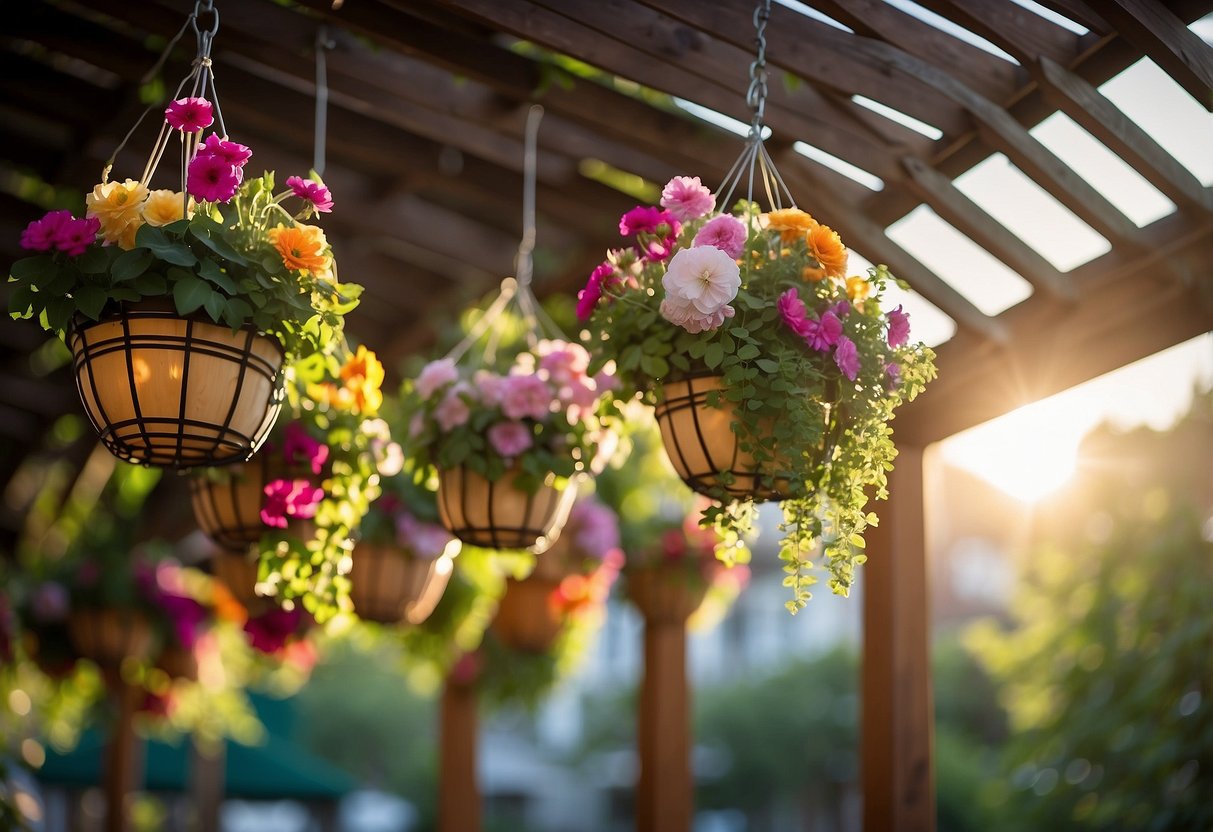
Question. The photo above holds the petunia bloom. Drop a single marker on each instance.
(289, 498)
(725, 232)
(40, 235)
(792, 310)
(824, 333)
(682, 312)
(587, 298)
(75, 236)
(270, 631)
(899, 328)
(189, 115)
(510, 438)
(233, 153)
(846, 356)
(211, 178)
(705, 276)
(646, 218)
(302, 247)
(687, 198)
(299, 447)
(314, 192)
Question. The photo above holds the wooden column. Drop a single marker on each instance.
(207, 786)
(898, 775)
(123, 761)
(458, 790)
(665, 790)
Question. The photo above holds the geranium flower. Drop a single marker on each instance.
(526, 395)
(40, 235)
(299, 447)
(899, 328)
(289, 498)
(509, 439)
(302, 247)
(75, 236)
(189, 115)
(648, 219)
(564, 362)
(452, 411)
(706, 276)
(791, 223)
(211, 178)
(846, 356)
(687, 198)
(725, 232)
(163, 206)
(435, 375)
(314, 192)
(827, 249)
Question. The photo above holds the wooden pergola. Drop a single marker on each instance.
(427, 101)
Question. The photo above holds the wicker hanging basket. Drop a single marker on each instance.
(498, 515)
(666, 595)
(390, 585)
(175, 392)
(107, 636)
(700, 442)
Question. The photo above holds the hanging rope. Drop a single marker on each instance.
(754, 158)
(323, 44)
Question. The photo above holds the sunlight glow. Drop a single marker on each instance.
(809, 11)
(868, 180)
(1053, 17)
(719, 119)
(944, 25)
(928, 323)
(898, 116)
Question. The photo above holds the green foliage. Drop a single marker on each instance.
(220, 263)
(1106, 677)
(823, 437)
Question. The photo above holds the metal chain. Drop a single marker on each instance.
(756, 95)
(323, 44)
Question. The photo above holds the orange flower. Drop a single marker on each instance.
(826, 247)
(363, 375)
(791, 223)
(302, 247)
(813, 275)
(858, 289)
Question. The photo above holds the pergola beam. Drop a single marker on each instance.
(1160, 34)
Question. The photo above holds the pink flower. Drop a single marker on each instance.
(725, 232)
(189, 115)
(313, 192)
(425, 540)
(210, 178)
(526, 395)
(847, 357)
(564, 362)
(434, 376)
(683, 313)
(510, 438)
(646, 218)
(899, 328)
(452, 411)
(233, 153)
(298, 446)
(705, 276)
(588, 297)
(40, 235)
(841, 309)
(75, 236)
(289, 498)
(791, 308)
(825, 333)
(489, 387)
(597, 527)
(269, 632)
(686, 198)
(893, 372)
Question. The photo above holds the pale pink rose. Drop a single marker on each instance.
(510, 438)
(452, 411)
(705, 276)
(725, 232)
(489, 387)
(563, 361)
(683, 313)
(687, 198)
(436, 375)
(526, 395)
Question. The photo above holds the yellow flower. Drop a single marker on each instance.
(813, 275)
(363, 375)
(116, 205)
(827, 249)
(858, 288)
(791, 223)
(163, 207)
(302, 247)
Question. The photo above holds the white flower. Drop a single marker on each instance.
(705, 276)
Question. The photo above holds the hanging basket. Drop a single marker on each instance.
(700, 442)
(526, 620)
(228, 509)
(110, 635)
(238, 572)
(392, 586)
(497, 515)
(175, 392)
(666, 595)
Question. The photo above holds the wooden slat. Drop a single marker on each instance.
(1156, 31)
(1104, 120)
(1012, 28)
(1081, 13)
(972, 220)
(897, 712)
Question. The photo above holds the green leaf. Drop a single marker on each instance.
(189, 294)
(748, 351)
(767, 365)
(131, 264)
(90, 300)
(21, 301)
(164, 247)
(59, 313)
(236, 312)
(211, 271)
(713, 355)
(654, 366)
(94, 261)
(151, 284)
(215, 306)
(211, 237)
(33, 269)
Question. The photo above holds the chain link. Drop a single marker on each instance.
(756, 95)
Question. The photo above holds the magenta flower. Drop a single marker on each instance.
(899, 328)
(847, 357)
(189, 115)
(825, 333)
(791, 309)
(526, 395)
(270, 631)
(313, 192)
(210, 178)
(587, 298)
(646, 218)
(434, 376)
(299, 447)
(40, 235)
(75, 236)
(597, 527)
(841, 309)
(452, 411)
(289, 498)
(186, 615)
(725, 232)
(686, 198)
(510, 438)
(892, 371)
(233, 153)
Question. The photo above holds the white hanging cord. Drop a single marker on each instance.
(323, 44)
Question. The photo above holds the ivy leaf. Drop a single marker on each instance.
(209, 233)
(21, 302)
(189, 294)
(131, 264)
(236, 312)
(90, 300)
(713, 355)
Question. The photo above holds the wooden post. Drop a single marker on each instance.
(898, 775)
(207, 775)
(665, 791)
(458, 790)
(122, 758)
